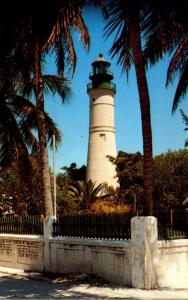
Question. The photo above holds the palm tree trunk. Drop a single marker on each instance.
(38, 87)
(145, 114)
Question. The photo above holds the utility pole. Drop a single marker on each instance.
(54, 179)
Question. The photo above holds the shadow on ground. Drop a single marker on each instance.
(79, 286)
(76, 286)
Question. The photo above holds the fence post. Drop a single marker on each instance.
(144, 252)
(48, 231)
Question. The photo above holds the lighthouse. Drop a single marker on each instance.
(102, 142)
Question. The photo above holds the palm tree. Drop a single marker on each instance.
(85, 192)
(32, 45)
(167, 31)
(185, 120)
(125, 19)
(18, 116)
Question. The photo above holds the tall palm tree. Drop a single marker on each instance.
(167, 32)
(125, 19)
(32, 45)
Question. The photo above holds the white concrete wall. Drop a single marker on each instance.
(99, 168)
(22, 252)
(144, 262)
(109, 259)
(172, 264)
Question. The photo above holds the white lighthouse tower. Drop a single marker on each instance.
(101, 130)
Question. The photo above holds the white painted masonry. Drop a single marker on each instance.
(109, 259)
(22, 251)
(101, 137)
(172, 264)
(101, 124)
(144, 252)
(143, 262)
(48, 229)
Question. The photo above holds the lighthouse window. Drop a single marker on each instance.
(102, 136)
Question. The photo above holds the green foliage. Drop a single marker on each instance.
(75, 173)
(170, 179)
(86, 192)
(130, 176)
(66, 201)
(17, 195)
(170, 186)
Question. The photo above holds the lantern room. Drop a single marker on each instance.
(101, 76)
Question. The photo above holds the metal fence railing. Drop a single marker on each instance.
(172, 224)
(94, 225)
(21, 225)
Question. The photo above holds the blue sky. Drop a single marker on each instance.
(72, 118)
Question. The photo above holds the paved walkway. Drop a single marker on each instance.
(15, 284)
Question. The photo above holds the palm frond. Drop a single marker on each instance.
(60, 56)
(25, 87)
(179, 59)
(60, 38)
(161, 29)
(29, 123)
(181, 88)
(20, 105)
(86, 192)
(118, 23)
(12, 146)
(74, 191)
(165, 31)
(121, 49)
(185, 120)
(29, 137)
(57, 84)
(67, 41)
(80, 27)
(51, 129)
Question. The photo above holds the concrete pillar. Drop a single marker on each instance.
(48, 230)
(144, 252)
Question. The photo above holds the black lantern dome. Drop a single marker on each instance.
(101, 76)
